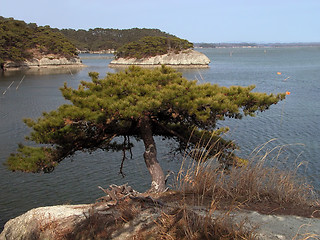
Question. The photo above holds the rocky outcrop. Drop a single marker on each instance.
(43, 62)
(187, 58)
(70, 222)
(125, 214)
(44, 222)
(117, 215)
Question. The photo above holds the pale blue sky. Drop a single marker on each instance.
(198, 21)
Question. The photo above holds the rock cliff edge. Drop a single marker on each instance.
(187, 58)
(46, 61)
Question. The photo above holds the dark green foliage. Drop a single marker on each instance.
(113, 107)
(31, 159)
(101, 39)
(152, 46)
(19, 40)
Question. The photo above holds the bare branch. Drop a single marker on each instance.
(123, 155)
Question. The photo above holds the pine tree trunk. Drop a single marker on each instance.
(150, 156)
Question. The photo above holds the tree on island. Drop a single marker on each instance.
(151, 46)
(19, 41)
(137, 103)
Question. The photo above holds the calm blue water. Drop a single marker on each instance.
(293, 121)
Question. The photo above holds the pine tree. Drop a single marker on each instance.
(138, 103)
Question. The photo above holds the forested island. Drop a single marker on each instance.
(20, 41)
(156, 51)
(26, 44)
(29, 45)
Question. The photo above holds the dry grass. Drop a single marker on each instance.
(259, 180)
(181, 223)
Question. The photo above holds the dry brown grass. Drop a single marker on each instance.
(259, 180)
(182, 224)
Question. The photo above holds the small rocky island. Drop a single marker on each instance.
(186, 59)
(157, 51)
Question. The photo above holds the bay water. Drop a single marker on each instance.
(292, 125)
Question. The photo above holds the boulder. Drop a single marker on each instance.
(44, 222)
(187, 58)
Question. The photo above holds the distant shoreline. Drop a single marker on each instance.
(254, 45)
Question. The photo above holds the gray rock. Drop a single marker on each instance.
(44, 62)
(187, 58)
(44, 222)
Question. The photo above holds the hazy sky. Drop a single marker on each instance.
(198, 21)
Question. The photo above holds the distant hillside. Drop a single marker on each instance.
(20, 41)
(102, 39)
